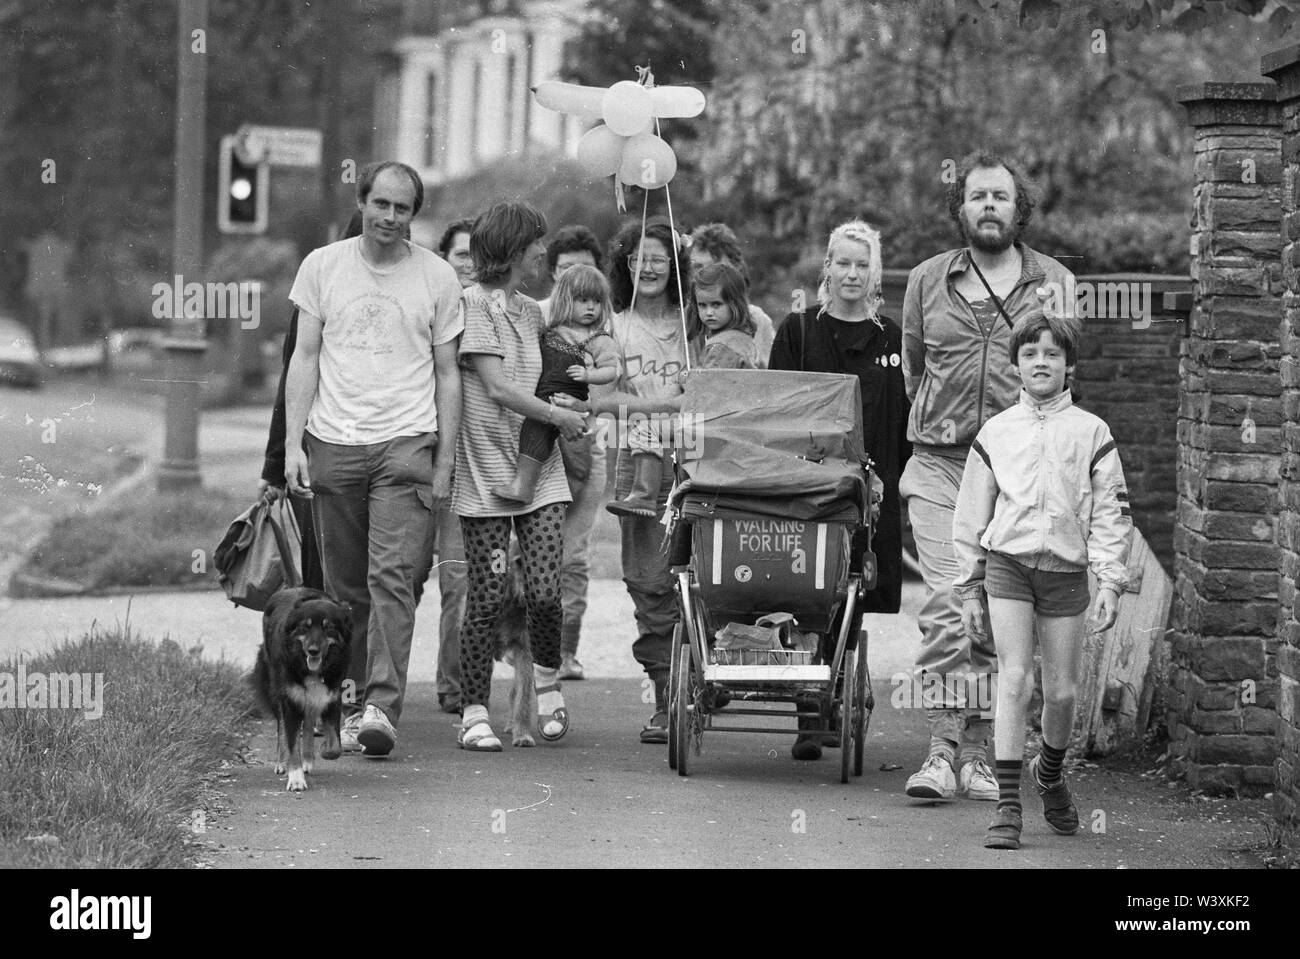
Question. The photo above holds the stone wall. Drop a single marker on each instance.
(1128, 376)
(1222, 685)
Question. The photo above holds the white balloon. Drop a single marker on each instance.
(570, 98)
(648, 162)
(676, 101)
(600, 151)
(626, 108)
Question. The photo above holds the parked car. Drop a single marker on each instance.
(130, 350)
(20, 361)
(136, 349)
(75, 358)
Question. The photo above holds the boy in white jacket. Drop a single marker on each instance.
(1042, 499)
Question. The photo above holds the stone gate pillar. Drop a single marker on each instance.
(1284, 67)
(1223, 676)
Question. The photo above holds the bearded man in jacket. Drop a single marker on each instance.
(957, 317)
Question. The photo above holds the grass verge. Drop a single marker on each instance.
(124, 790)
(143, 538)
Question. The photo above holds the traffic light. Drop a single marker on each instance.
(242, 191)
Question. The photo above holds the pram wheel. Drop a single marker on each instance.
(677, 651)
(861, 709)
(848, 684)
(682, 719)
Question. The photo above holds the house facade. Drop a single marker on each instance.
(456, 94)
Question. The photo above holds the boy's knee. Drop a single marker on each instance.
(1060, 695)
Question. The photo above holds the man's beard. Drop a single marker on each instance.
(1007, 235)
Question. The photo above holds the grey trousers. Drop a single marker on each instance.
(929, 485)
(646, 573)
(450, 549)
(372, 509)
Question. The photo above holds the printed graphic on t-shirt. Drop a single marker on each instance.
(640, 365)
(369, 322)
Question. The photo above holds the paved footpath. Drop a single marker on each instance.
(601, 798)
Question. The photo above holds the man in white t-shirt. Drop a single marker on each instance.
(372, 410)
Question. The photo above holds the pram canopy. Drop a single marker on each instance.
(774, 442)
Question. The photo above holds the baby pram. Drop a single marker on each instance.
(771, 523)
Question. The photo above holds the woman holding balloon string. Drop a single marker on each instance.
(648, 275)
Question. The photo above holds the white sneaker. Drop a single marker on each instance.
(934, 780)
(376, 733)
(978, 782)
(348, 733)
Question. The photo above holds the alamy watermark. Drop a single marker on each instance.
(1085, 300)
(930, 690)
(24, 690)
(214, 301)
(660, 431)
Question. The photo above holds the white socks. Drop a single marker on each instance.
(547, 703)
(473, 715)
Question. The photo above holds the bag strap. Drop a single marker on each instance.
(996, 300)
(288, 561)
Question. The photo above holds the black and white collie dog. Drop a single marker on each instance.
(298, 678)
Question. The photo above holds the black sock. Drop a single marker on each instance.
(1008, 773)
(1049, 765)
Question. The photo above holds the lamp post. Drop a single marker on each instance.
(186, 340)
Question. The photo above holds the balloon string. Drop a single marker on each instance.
(681, 298)
(640, 252)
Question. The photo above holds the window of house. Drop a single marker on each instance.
(507, 140)
(430, 120)
(476, 98)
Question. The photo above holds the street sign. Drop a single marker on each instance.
(279, 146)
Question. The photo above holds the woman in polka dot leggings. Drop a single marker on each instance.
(501, 361)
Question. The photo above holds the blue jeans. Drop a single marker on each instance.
(575, 571)
(373, 509)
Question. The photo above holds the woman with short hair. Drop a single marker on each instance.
(501, 362)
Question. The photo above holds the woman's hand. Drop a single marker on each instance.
(570, 423)
(577, 372)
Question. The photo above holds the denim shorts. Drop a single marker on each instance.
(1052, 594)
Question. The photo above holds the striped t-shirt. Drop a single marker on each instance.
(487, 446)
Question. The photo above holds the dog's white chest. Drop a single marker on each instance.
(312, 696)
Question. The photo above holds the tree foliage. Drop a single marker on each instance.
(91, 88)
(825, 110)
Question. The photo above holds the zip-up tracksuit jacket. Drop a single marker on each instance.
(956, 377)
(1043, 485)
